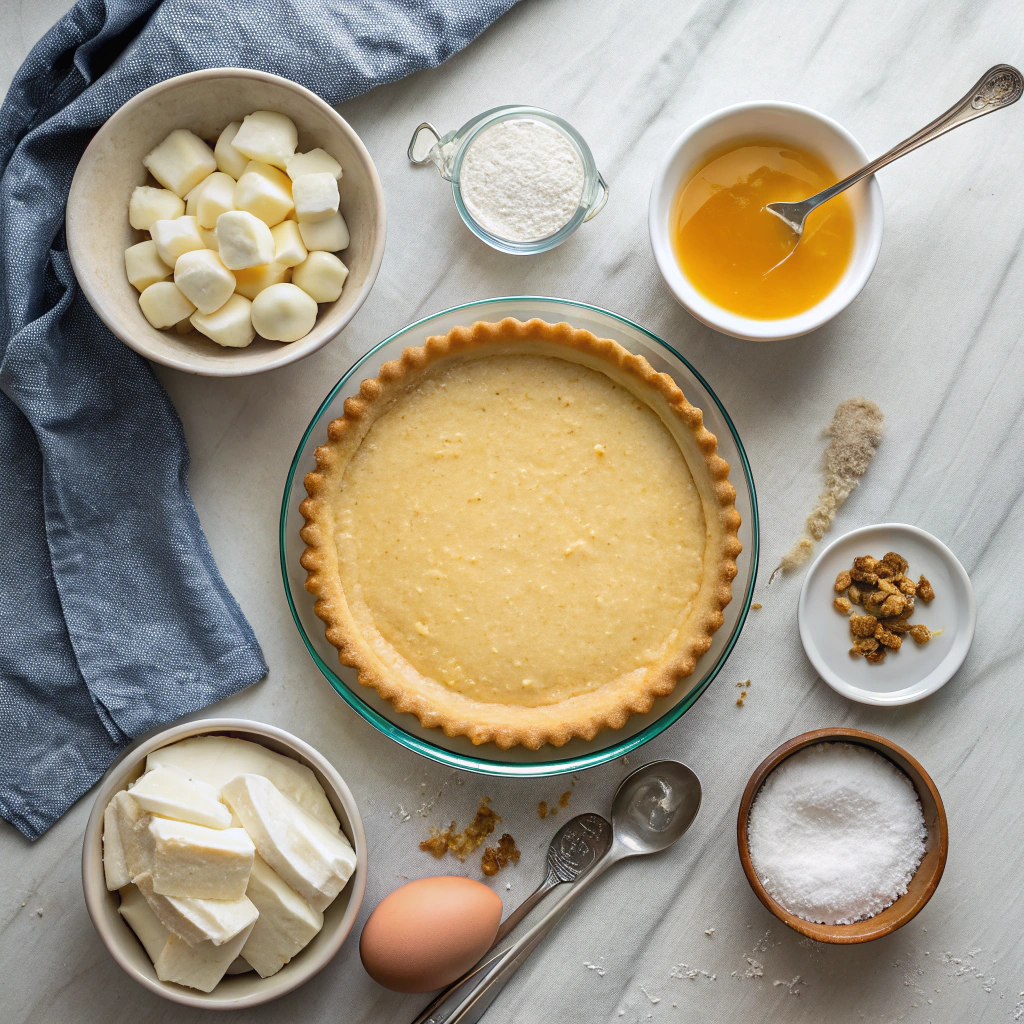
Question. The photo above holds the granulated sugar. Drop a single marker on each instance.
(521, 180)
(836, 833)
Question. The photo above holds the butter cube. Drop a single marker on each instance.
(115, 869)
(133, 831)
(199, 862)
(287, 923)
(283, 312)
(231, 325)
(314, 860)
(288, 248)
(313, 162)
(210, 198)
(180, 162)
(329, 235)
(321, 276)
(243, 240)
(143, 265)
(265, 192)
(175, 237)
(149, 204)
(171, 793)
(218, 759)
(267, 136)
(229, 160)
(251, 281)
(200, 966)
(315, 196)
(215, 921)
(141, 919)
(163, 305)
(204, 280)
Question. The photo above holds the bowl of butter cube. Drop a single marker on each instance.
(226, 222)
(224, 863)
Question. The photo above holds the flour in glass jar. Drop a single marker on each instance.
(521, 180)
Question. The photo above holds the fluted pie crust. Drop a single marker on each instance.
(520, 533)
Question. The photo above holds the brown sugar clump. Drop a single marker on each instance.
(863, 625)
(887, 639)
(924, 590)
(497, 857)
(542, 809)
(843, 580)
(854, 436)
(465, 842)
(563, 800)
(893, 605)
(898, 562)
(842, 604)
(876, 657)
(921, 633)
(896, 625)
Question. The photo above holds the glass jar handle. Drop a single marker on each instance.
(440, 154)
(595, 210)
(425, 127)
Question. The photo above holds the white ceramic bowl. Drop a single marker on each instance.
(914, 671)
(98, 231)
(787, 122)
(240, 990)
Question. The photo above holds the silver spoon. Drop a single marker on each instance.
(576, 847)
(652, 809)
(997, 88)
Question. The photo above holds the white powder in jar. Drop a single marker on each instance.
(836, 833)
(521, 180)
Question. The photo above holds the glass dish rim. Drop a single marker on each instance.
(539, 245)
(516, 769)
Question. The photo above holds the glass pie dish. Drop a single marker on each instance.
(459, 752)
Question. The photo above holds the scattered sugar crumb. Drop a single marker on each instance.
(654, 999)
(792, 986)
(625, 759)
(755, 969)
(598, 969)
(709, 932)
(756, 606)
(692, 973)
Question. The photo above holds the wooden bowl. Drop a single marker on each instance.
(925, 880)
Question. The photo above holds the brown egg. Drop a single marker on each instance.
(429, 932)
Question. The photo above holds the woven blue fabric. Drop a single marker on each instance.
(113, 617)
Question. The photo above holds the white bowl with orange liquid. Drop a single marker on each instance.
(732, 264)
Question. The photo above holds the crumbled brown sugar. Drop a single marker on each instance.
(887, 595)
(465, 842)
(497, 857)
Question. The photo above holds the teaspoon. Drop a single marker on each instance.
(653, 807)
(997, 88)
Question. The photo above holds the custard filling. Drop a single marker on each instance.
(521, 529)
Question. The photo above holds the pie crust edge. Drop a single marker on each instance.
(582, 716)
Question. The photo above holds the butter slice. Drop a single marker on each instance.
(196, 921)
(141, 919)
(218, 759)
(133, 831)
(171, 793)
(287, 923)
(314, 860)
(198, 862)
(200, 966)
(115, 870)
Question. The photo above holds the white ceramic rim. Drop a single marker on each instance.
(289, 353)
(946, 669)
(94, 883)
(666, 183)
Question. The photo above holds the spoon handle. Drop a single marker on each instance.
(999, 87)
(550, 881)
(496, 973)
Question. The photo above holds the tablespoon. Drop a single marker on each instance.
(653, 807)
(576, 847)
(997, 88)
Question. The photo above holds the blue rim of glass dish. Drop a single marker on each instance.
(516, 769)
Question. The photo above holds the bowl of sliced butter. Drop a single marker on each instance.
(224, 862)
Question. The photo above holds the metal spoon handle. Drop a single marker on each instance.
(999, 87)
(550, 881)
(495, 976)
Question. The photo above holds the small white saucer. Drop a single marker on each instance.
(915, 671)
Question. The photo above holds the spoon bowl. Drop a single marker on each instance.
(654, 806)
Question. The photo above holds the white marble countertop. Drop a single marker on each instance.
(935, 338)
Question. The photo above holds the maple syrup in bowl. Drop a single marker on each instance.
(729, 262)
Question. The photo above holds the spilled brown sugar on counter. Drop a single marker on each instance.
(465, 842)
(497, 857)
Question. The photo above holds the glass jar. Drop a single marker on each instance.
(448, 152)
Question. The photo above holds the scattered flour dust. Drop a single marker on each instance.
(521, 180)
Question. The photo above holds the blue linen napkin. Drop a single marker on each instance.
(113, 616)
